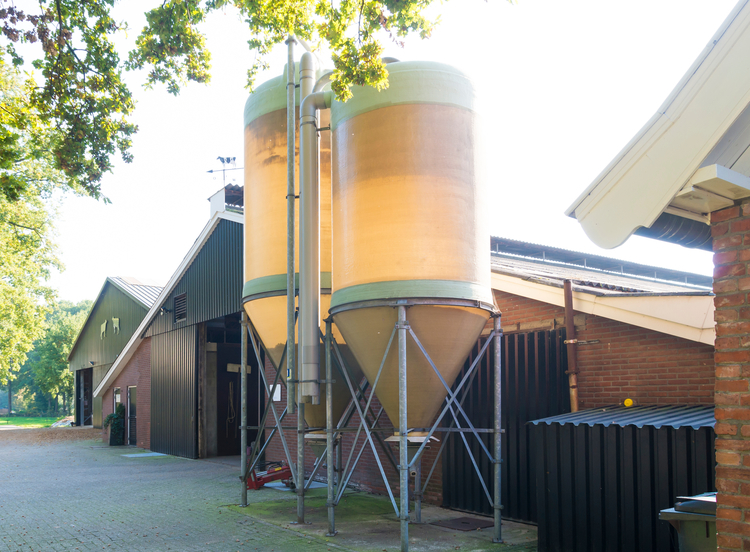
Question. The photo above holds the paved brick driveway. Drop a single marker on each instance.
(81, 496)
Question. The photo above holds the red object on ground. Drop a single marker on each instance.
(256, 480)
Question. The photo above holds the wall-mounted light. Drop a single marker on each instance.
(163, 310)
(92, 363)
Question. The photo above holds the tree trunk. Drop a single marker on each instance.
(10, 398)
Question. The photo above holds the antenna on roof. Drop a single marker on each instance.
(225, 162)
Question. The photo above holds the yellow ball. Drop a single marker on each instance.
(628, 402)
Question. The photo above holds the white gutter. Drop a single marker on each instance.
(639, 184)
(136, 339)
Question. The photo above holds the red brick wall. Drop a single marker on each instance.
(628, 362)
(731, 233)
(137, 373)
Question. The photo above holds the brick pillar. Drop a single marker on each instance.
(731, 243)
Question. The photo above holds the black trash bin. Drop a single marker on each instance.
(694, 518)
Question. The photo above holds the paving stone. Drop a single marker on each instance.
(69, 496)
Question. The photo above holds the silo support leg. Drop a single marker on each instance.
(498, 535)
(418, 490)
(402, 429)
(243, 409)
(329, 435)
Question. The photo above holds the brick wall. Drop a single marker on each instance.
(731, 237)
(137, 373)
(628, 362)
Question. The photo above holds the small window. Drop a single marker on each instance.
(180, 307)
(117, 397)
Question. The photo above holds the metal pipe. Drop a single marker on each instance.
(309, 273)
(571, 341)
(309, 290)
(243, 408)
(402, 430)
(329, 433)
(496, 503)
(418, 490)
(291, 139)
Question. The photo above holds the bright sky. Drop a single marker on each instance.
(563, 86)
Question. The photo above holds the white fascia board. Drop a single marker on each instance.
(687, 316)
(135, 340)
(638, 185)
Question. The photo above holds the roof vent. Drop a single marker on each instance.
(228, 198)
(180, 307)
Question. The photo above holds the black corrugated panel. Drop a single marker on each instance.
(534, 386)
(173, 393)
(602, 487)
(212, 284)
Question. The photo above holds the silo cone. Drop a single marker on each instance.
(264, 292)
(409, 225)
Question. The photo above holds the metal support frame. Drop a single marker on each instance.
(257, 451)
(453, 403)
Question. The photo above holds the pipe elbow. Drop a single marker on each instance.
(314, 102)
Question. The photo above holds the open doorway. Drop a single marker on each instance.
(220, 400)
(84, 396)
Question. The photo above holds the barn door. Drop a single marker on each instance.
(534, 386)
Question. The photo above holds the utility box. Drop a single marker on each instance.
(695, 521)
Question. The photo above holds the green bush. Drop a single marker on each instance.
(117, 421)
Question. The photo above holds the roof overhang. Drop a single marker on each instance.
(687, 316)
(673, 165)
(137, 337)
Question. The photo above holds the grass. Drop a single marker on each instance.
(27, 421)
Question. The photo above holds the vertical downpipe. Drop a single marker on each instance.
(290, 199)
(497, 506)
(329, 433)
(570, 342)
(309, 288)
(309, 271)
(402, 430)
(243, 409)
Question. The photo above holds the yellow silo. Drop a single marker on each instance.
(409, 224)
(264, 292)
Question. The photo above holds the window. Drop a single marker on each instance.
(117, 398)
(180, 307)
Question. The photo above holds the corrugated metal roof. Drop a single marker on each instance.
(676, 416)
(587, 280)
(145, 294)
(598, 263)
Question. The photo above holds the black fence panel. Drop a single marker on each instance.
(601, 488)
(534, 386)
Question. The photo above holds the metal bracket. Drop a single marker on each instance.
(324, 128)
(292, 195)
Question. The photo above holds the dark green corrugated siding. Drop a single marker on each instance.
(90, 346)
(213, 283)
(173, 393)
